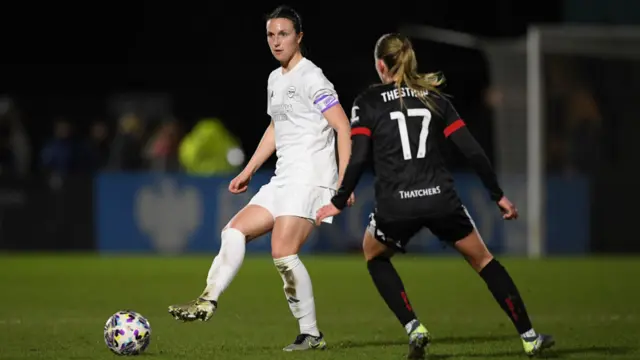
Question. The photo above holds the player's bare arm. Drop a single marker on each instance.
(265, 149)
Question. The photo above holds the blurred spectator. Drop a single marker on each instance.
(560, 80)
(583, 132)
(99, 144)
(7, 160)
(63, 154)
(15, 139)
(126, 149)
(210, 149)
(162, 149)
(573, 126)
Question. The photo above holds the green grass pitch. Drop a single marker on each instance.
(55, 306)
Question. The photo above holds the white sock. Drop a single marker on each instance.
(226, 264)
(299, 292)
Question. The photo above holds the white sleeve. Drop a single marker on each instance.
(320, 91)
(269, 93)
(268, 100)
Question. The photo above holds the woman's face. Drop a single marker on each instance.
(282, 38)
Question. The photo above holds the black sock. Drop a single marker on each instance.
(390, 287)
(506, 294)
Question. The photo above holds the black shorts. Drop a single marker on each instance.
(396, 234)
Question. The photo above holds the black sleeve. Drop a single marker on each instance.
(360, 146)
(457, 131)
(361, 129)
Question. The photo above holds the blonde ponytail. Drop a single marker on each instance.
(404, 68)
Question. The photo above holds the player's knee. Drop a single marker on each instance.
(235, 223)
(233, 227)
(253, 221)
(230, 235)
(288, 236)
(280, 253)
(374, 252)
(372, 248)
(239, 225)
(483, 261)
(282, 249)
(474, 250)
(368, 254)
(479, 260)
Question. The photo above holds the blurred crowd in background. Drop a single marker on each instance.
(141, 132)
(133, 141)
(130, 143)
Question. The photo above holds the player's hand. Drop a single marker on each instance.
(352, 200)
(240, 183)
(509, 211)
(325, 212)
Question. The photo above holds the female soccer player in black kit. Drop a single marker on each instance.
(401, 122)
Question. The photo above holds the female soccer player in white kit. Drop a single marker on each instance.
(305, 111)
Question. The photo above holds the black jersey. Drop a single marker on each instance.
(403, 139)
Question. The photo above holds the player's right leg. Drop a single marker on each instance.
(498, 280)
(378, 247)
(250, 223)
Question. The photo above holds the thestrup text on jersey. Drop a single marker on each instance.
(393, 94)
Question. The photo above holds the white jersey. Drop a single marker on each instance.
(305, 143)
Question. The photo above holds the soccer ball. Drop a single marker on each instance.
(127, 333)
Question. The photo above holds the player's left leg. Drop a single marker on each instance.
(252, 221)
(288, 236)
(499, 283)
(504, 291)
(295, 220)
(378, 251)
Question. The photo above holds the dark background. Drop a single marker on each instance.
(66, 59)
(212, 59)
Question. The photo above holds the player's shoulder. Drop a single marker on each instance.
(441, 100)
(365, 104)
(371, 94)
(309, 70)
(274, 75)
(308, 66)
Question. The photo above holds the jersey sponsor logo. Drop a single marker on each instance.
(282, 108)
(279, 112)
(412, 194)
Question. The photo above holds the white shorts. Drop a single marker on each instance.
(293, 200)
